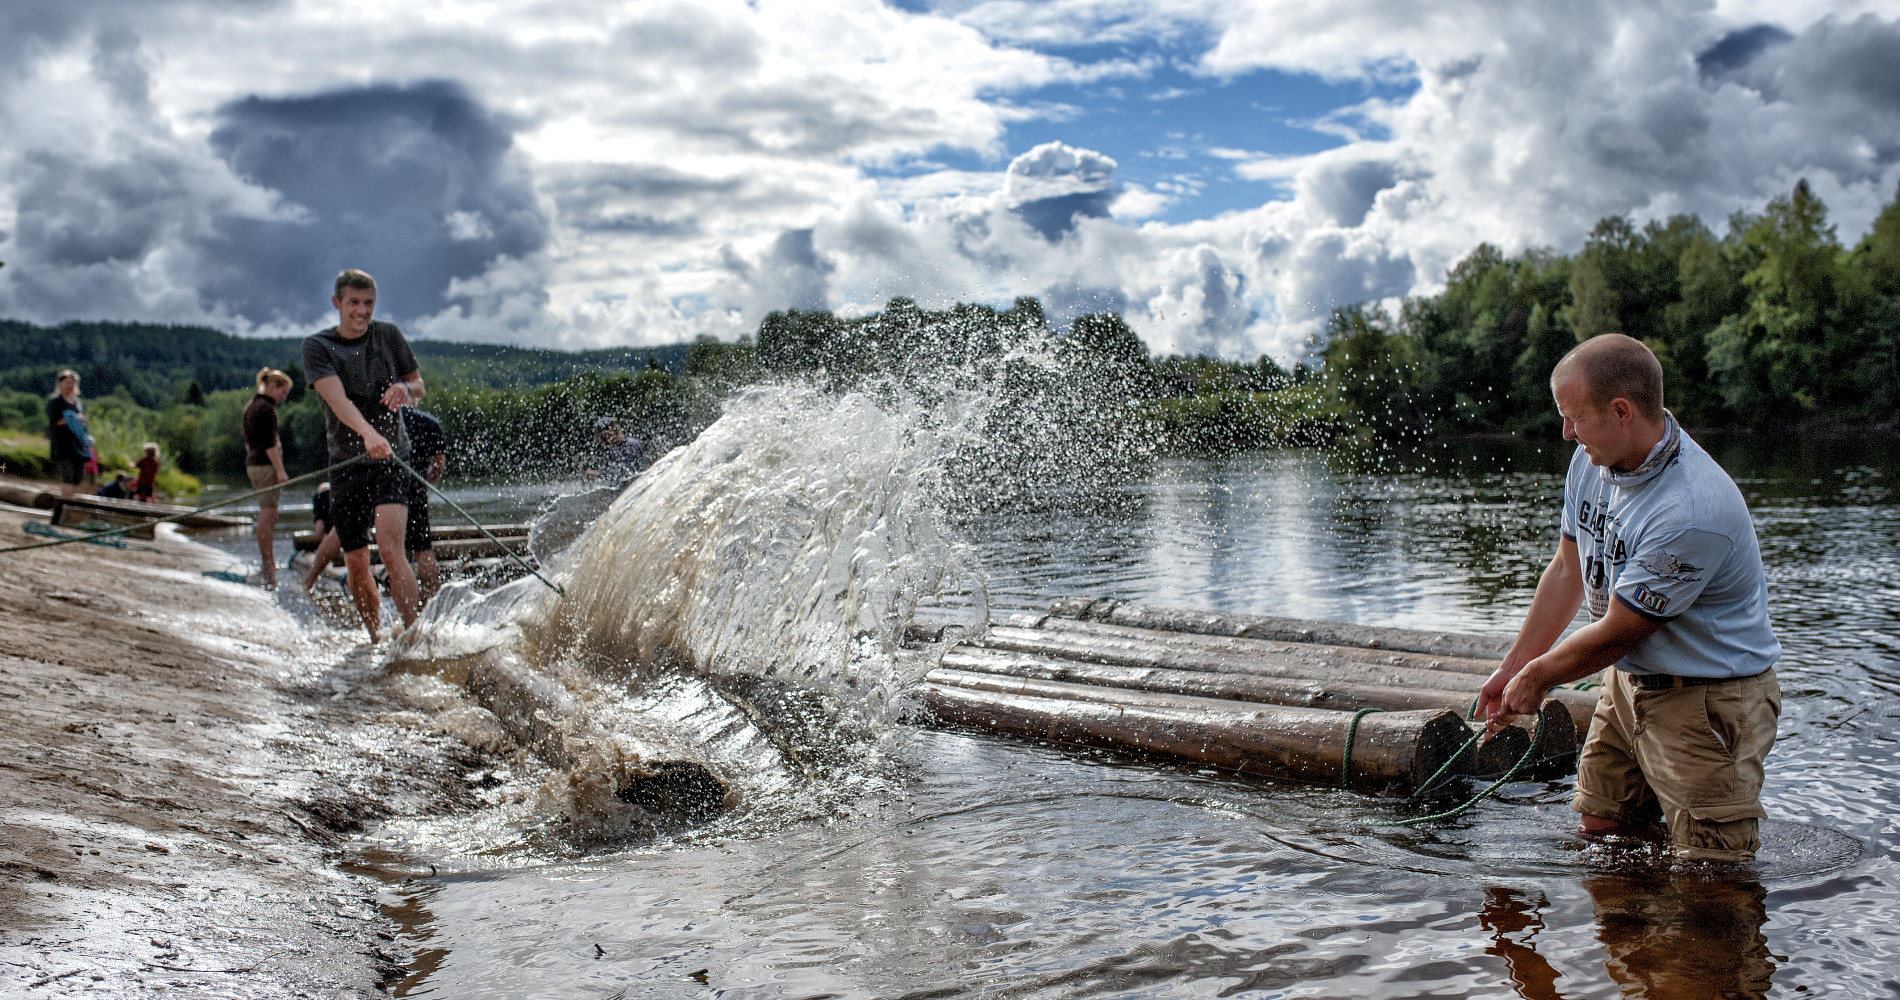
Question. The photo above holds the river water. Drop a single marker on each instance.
(967, 865)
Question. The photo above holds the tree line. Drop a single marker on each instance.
(1772, 324)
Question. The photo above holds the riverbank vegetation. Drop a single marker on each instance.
(1772, 324)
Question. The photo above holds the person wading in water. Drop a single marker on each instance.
(1658, 540)
(365, 374)
(264, 463)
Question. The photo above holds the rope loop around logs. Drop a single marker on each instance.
(1352, 730)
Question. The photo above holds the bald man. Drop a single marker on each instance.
(1658, 541)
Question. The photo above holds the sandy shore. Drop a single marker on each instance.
(181, 760)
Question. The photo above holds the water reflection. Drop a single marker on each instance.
(1684, 937)
(1663, 937)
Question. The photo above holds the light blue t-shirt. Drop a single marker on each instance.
(1673, 542)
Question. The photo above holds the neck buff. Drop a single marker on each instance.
(1658, 460)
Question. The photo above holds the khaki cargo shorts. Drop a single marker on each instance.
(262, 476)
(1691, 756)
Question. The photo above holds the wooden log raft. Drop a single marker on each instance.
(1555, 752)
(1392, 751)
(1106, 628)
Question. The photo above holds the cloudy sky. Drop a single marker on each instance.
(580, 173)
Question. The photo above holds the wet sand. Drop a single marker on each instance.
(180, 762)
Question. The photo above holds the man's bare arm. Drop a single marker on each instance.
(330, 388)
(1559, 593)
(1588, 650)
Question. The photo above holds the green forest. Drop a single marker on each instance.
(1772, 324)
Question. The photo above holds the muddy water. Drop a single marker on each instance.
(992, 867)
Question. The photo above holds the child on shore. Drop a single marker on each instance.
(147, 485)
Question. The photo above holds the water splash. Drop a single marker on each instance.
(741, 607)
(792, 542)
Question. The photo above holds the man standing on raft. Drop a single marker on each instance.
(1657, 538)
(365, 373)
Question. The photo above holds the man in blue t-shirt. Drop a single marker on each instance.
(1658, 542)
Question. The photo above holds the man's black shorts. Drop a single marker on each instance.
(72, 471)
(355, 493)
(416, 537)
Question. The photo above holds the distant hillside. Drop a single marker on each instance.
(156, 364)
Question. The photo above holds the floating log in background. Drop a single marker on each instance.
(1392, 751)
(461, 548)
(119, 511)
(27, 496)
(515, 536)
(88, 518)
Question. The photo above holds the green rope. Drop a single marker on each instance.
(48, 531)
(1352, 730)
(69, 539)
(420, 478)
(1537, 738)
(1432, 782)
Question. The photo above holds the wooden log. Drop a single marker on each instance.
(468, 548)
(1285, 629)
(137, 508)
(1134, 647)
(89, 518)
(1392, 751)
(1305, 662)
(1251, 647)
(307, 541)
(1559, 742)
(1304, 692)
(27, 496)
(659, 773)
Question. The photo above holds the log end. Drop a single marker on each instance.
(677, 790)
(1498, 753)
(1557, 749)
(1441, 738)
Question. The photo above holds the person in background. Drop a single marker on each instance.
(327, 544)
(626, 456)
(66, 435)
(365, 373)
(428, 454)
(118, 489)
(147, 485)
(264, 462)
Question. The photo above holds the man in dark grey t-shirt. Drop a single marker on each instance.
(365, 373)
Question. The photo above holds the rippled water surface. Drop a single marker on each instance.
(995, 867)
